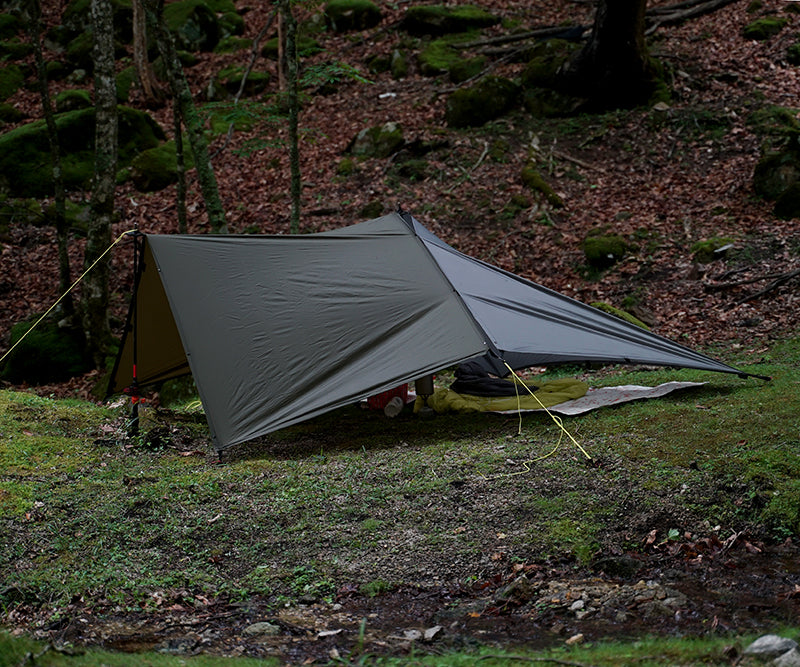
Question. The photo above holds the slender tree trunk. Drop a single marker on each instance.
(293, 108)
(181, 168)
(613, 70)
(191, 119)
(95, 286)
(151, 90)
(62, 239)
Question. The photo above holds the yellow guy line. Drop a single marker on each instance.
(72, 287)
(557, 420)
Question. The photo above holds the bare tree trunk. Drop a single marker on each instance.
(282, 50)
(183, 98)
(613, 70)
(98, 238)
(294, 104)
(151, 90)
(62, 239)
(181, 168)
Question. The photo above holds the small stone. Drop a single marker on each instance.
(577, 605)
(264, 628)
(770, 646)
(575, 639)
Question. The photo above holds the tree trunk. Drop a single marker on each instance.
(181, 169)
(191, 119)
(62, 238)
(293, 104)
(613, 70)
(152, 94)
(98, 238)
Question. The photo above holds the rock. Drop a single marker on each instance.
(575, 639)
(769, 646)
(763, 29)
(346, 15)
(440, 19)
(379, 141)
(490, 98)
(788, 659)
(263, 629)
(193, 25)
(603, 251)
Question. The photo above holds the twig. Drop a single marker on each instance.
(580, 163)
(243, 82)
(539, 33)
(774, 284)
(468, 172)
(718, 287)
(525, 658)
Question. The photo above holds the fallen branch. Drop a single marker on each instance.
(539, 33)
(580, 163)
(686, 14)
(719, 287)
(773, 285)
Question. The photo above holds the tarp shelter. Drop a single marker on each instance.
(278, 329)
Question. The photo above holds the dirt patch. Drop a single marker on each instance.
(687, 589)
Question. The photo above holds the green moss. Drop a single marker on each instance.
(14, 49)
(379, 141)
(47, 354)
(764, 28)
(10, 25)
(126, 80)
(618, 312)
(787, 205)
(603, 251)
(68, 100)
(79, 51)
(466, 68)
(193, 24)
(232, 44)
(346, 167)
(488, 99)
(10, 114)
(25, 150)
(775, 173)
(536, 183)
(441, 19)
(157, 168)
(347, 15)
(544, 63)
(706, 251)
(11, 80)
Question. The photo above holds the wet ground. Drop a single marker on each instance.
(681, 589)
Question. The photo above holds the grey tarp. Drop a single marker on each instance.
(278, 329)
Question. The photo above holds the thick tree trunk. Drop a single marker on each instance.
(62, 238)
(95, 286)
(151, 91)
(182, 96)
(613, 70)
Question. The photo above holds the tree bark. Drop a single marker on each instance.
(182, 96)
(613, 70)
(98, 238)
(153, 95)
(293, 104)
(60, 197)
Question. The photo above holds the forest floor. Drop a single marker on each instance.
(665, 178)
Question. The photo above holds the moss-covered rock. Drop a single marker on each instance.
(347, 15)
(69, 100)
(15, 49)
(707, 251)
(370, 210)
(77, 17)
(488, 99)
(775, 173)
(465, 69)
(10, 25)
(126, 79)
(227, 83)
(787, 205)
(442, 19)
(232, 44)
(379, 141)
(548, 103)
(399, 66)
(535, 183)
(156, 168)
(604, 250)
(79, 51)
(11, 80)
(618, 312)
(193, 24)
(25, 150)
(793, 54)
(546, 58)
(764, 28)
(412, 169)
(49, 353)
(10, 114)
(230, 21)
(305, 44)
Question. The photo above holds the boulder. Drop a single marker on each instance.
(441, 20)
(348, 15)
(11, 80)
(379, 141)
(489, 98)
(193, 24)
(156, 168)
(69, 100)
(604, 250)
(770, 646)
(25, 150)
(764, 28)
